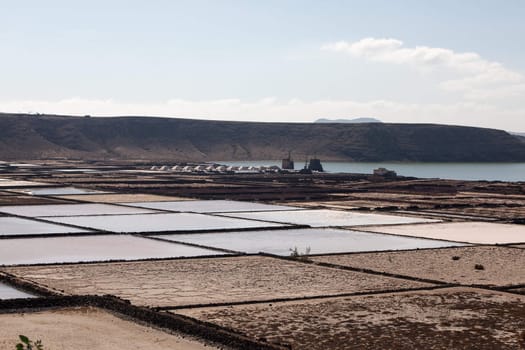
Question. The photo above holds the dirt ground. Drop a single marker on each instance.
(10, 183)
(503, 212)
(28, 200)
(441, 319)
(461, 204)
(199, 281)
(121, 198)
(502, 266)
(87, 329)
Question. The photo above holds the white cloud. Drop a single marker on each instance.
(293, 110)
(476, 77)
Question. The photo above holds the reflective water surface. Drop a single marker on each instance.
(56, 191)
(211, 206)
(70, 210)
(8, 292)
(320, 241)
(91, 248)
(471, 232)
(160, 222)
(325, 218)
(18, 226)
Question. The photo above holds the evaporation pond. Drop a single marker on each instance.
(471, 232)
(161, 222)
(17, 226)
(70, 210)
(56, 191)
(91, 248)
(8, 292)
(211, 206)
(320, 241)
(325, 218)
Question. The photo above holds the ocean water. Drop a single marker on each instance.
(456, 171)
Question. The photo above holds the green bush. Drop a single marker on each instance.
(27, 344)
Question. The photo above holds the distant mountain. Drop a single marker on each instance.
(519, 135)
(25, 137)
(349, 121)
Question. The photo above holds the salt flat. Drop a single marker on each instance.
(91, 248)
(70, 210)
(319, 240)
(122, 198)
(326, 218)
(8, 292)
(55, 191)
(12, 226)
(211, 206)
(161, 222)
(470, 232)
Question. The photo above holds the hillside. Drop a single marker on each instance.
(349, 121)
(43, 136)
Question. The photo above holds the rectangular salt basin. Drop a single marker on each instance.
(326, 218)
(70, 210)
(17, 226)
(211, 206)
(91, 248)
(122, 198)
(470, 232)
(161, 222)
(320, 241)
(8, 292)
(56, 191)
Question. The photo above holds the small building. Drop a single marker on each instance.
(287, 163)
(384, 172)
(315, 165)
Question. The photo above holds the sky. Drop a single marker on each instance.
(448, 62)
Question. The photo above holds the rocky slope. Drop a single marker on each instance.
(45, 136)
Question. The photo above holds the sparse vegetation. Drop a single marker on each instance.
(455, 258)
(296, 254)
(479, 267)
(28, 344)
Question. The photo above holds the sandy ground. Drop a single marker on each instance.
(8, 183)
(440, 319)
(87, 329)
(497, 213)
(196, 281)
(502, 265)
(351, 204)
(470, 232)
(518, 290)
(27, 200)
(122, 198)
